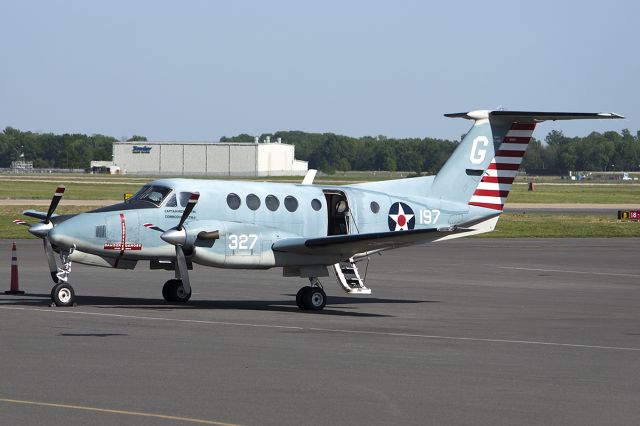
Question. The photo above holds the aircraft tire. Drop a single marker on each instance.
(314, 298)
(300, 297)
(167, 290)
(62, 294)
(173, 292)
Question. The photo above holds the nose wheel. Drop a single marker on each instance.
(63, 295)
(312, 297)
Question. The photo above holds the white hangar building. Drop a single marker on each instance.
(208, 159)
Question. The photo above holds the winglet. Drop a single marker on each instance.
(309, 177)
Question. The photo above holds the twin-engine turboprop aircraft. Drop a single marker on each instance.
(303, 228)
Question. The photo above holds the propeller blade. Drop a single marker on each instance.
(183, 269)
(21, 222)
(152, 226)
(193, 200)
(51, 258)
(35, 214)
(57, 196)
(211, 235)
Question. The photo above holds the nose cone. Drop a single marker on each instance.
(175, 237)
(62, 235)
(41, 229)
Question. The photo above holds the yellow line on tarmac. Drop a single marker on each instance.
(123, 412)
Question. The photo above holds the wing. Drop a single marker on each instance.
(348, 245)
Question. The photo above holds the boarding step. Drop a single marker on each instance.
(349, 278)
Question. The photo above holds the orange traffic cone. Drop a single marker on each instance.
(15, 287)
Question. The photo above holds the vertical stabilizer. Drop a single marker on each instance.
(495, 184)
(481, 170)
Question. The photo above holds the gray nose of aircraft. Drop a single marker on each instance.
(62, 234)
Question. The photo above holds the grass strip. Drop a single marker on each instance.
(585, 194)
(541, 225)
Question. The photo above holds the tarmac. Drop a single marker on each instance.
(473, 331)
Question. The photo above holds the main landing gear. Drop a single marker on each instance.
(173, 291)
(62, 293)
(311, 297)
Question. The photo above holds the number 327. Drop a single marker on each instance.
(242, 241)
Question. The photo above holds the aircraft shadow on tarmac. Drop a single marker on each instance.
(285, 305)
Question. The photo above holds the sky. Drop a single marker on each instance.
(201, 69)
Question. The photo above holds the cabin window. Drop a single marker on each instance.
(375, 207)
(253, 202)
(291, 203)
(316, 204)
(272, 202)
(233, 201)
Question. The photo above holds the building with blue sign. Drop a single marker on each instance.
(208, 159)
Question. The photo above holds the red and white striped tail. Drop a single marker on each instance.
(494, 187)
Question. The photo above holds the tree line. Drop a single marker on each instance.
(558, 154)
(48, 150)
(608, 151)
(329, 152)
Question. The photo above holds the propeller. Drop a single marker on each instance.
(178, 237)
(182, 269)
(41, 230)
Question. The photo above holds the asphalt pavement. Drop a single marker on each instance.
(474, 331)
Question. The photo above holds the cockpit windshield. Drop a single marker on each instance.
(151, 193)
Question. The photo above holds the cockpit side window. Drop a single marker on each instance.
(154, 194)
(171, 202)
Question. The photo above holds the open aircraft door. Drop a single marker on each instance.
(339, 220)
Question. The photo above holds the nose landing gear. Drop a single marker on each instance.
(62, 294)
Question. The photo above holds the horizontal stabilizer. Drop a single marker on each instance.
(537, 116)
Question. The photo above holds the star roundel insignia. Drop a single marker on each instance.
(401, 217)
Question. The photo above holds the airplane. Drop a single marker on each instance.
(305, 229)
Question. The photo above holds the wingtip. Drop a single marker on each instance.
(611, 115)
